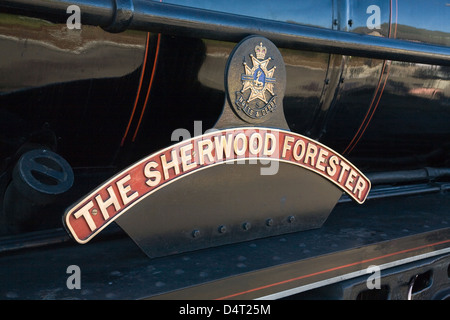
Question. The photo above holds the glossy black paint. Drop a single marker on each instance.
(77, 91)
(200, 23)
(67, 90)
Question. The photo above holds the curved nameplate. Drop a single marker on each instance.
(117, 196)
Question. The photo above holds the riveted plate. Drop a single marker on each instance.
(229, 203)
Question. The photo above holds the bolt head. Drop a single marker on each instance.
(246, 226)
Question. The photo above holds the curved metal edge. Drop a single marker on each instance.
(79, 205)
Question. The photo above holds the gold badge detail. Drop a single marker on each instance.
(257, 97)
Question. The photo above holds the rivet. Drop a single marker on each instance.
(222, 229)
(269, 222)
(246, 226)
(94, 211)
(196, 233)
(291, 219)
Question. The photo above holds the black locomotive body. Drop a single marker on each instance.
(369, 79)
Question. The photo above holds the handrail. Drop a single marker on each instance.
(153, 16)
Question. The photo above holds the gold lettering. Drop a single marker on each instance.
(333, 161)
(321, 158)
(286, 145)
(255, 139)
(299, 156)
(84, 211)
(350, 179)
(311, 152)
(271, 140)
(154, 176)
(202, 151)
(112, 200)
(344, 167)
(173, 164)
(223, 145)
(125, 189)
(240, 151)
(360, 186)
(187, 158)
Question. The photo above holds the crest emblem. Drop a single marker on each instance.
(255, 82)
(259, 79)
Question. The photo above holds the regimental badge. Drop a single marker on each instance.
(256, 77)
(259, 81)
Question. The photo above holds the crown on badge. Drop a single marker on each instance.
(260, 51)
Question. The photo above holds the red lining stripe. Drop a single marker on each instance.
(139, 91)
(351, 146)
(366, 124)
(371, 111)
(149, 86)
(332, 269)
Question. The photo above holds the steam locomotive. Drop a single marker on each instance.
(87, 88)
